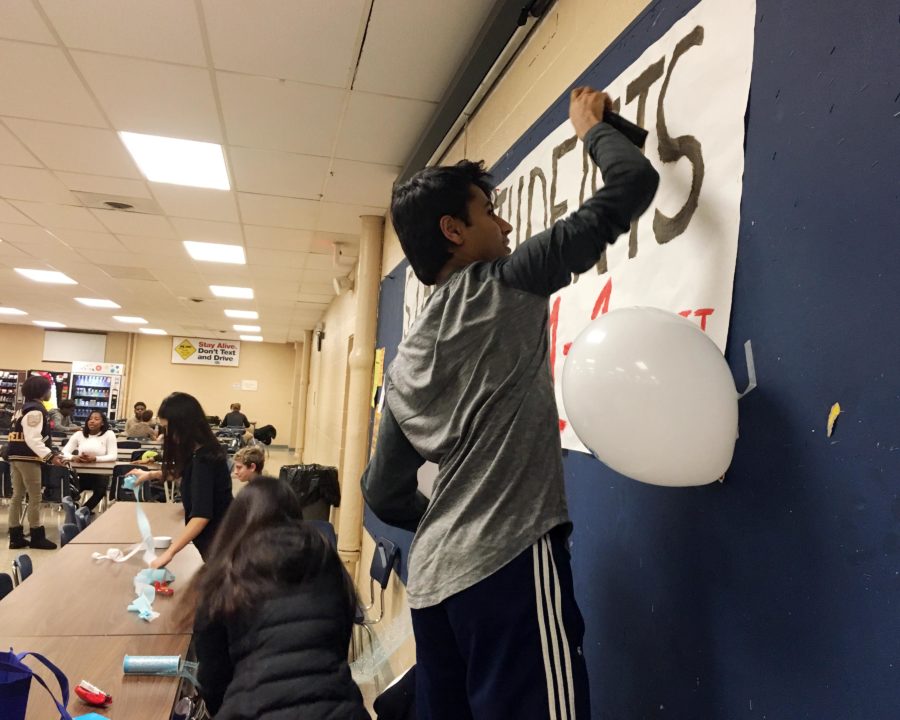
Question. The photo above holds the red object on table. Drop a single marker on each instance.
(91, 695)
(162, 588)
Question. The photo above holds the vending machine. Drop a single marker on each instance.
(11, 388)
(96, 386)
(59, 384)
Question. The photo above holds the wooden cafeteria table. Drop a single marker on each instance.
(99, 661)
(71, 594)
(117, 527)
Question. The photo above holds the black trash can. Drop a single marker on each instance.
(316, 487)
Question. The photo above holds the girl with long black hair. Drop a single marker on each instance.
(191, 452)
(275, 611)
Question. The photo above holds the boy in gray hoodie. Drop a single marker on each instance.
(498, 631)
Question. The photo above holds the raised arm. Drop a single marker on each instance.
(545, 263)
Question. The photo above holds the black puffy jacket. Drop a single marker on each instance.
(286, 660)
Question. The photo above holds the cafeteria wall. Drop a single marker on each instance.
(271, 365)
(22, 348)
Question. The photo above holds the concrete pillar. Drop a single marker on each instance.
(297, 439)
(359, 389)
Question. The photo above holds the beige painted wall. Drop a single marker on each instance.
(153, 376)
(572, 35)
(22, 348)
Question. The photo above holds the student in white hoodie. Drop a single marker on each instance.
(96, 443)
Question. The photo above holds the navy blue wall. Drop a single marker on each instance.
(776, 594)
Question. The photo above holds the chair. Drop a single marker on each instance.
(82, 518)
(327, 529)
(5, 480)
(67, 533)
(128, 444)
(69, 508)
(384, 560)
(22, 568)
(6, 585)
(117, 490)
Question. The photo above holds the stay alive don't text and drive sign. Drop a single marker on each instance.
(205, 351)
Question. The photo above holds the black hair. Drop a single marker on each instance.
(67, 403)
(418, 205)
(104, 426)
(186, 433)
(35, 387)
(263, 545)
(139, 403)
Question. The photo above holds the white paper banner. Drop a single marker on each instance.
(689, 90)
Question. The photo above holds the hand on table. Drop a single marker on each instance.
(86, 458)
(162, 560)
(140, 476)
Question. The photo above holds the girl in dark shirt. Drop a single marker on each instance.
(192, 453)
(275, 613)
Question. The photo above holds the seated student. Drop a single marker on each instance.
(139, 408)
(275, 611)
(61, 417)
(96, 443)
(235, 418)
(248, 463)
(143, 430)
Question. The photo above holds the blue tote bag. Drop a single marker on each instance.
(15, 682)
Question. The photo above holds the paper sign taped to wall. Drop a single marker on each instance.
(251, 385)
(689, 90)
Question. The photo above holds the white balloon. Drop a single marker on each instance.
(652, 397)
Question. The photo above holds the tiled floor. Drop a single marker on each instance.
(52, 519)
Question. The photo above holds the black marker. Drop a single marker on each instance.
(633, 132)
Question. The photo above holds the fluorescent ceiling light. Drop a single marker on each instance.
(252, 338)
(16, 311)
(47, 276)
(48, 323)
(247, 328)
(130, 319)
(178, 162)
(242, 314)
(98, 303)
(227, 291)
(215, 252)
(152, 331)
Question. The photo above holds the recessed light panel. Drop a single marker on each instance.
(252, 338)
(247, 328)
(242, 314)
(178, 162)
(48, 323)
(46, 276)
(98, 303)
(130, 319)
(216, 252)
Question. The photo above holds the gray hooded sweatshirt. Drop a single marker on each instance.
(470, 389)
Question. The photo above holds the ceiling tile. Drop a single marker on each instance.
(8, 214)
(13, 152)
(119, 187)
(33, 184)
(357, 183)
(11, 256)
(158, 247)
(131, 223)
(274, 114)
(158, 30)
(337, 218)
(59, 216)
(278, 211)
(392, 138)
(96, 240)
(269, 274)
(38, 82)
(78, 149)
(153, 97)
(189, 202)
(20, 21)
(110, 257)
(286, 38)
(403, 58)
(277, 173)
(276, 258)
(274, 238)
(208, 231)
(26, 235)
